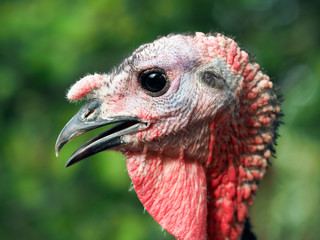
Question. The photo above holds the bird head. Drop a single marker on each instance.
(196, 121)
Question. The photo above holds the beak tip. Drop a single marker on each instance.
(59, 146)
(57, 150)
(71, 161)
(68, 164)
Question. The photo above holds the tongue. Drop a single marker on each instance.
(173, 191)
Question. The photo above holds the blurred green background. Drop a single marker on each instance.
(46, 45)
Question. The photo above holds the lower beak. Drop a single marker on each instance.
(89, 118)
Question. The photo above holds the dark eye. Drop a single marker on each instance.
(154, 81)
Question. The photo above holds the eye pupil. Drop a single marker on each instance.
(154, 81)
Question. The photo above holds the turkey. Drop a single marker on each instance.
(196, 120)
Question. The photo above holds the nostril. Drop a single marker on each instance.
(90, 110)
(88, 113)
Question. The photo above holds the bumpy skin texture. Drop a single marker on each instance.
(195, 168)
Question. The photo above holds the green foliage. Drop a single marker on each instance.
(47, 45)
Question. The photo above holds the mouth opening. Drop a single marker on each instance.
(106, 140)
(120, 126)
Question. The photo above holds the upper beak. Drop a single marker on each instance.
(89, 118)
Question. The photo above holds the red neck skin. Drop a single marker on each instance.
(231, 181)
(167, 188)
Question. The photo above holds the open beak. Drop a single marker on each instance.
(89, 118)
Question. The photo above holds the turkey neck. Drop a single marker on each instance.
(173, 190)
